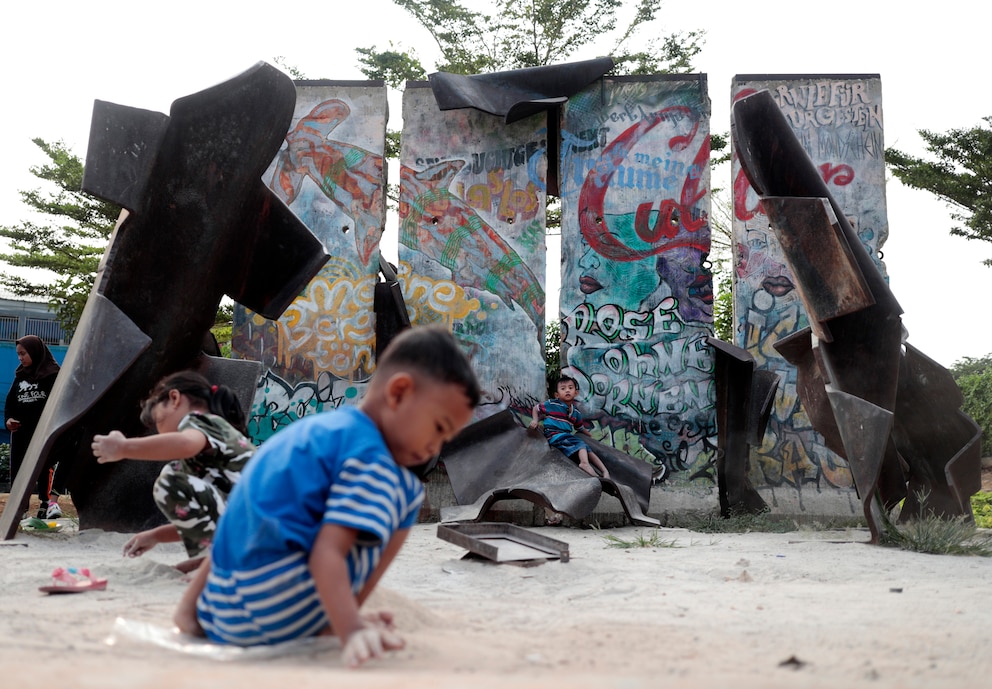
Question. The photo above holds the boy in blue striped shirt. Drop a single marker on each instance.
(562, 421)
(325, 505)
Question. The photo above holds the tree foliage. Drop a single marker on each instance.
(69, 246)
(974, 378)
(721, 260)
(552, 352)
(511, 34)
(960, 174)
(723, 313)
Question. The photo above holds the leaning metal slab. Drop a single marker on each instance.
(893, 412)
(744, 399)
(829, 280)
(501, 542)
(199, 224)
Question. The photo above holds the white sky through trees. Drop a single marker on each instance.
(59, 56)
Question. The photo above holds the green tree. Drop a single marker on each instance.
(721, 260)
(512, 34)
(223, 327)
(69, 246)
(723, 312)
(960, 174)
(552, 352)
(974, 378)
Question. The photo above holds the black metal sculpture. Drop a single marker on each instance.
(199, 224)
(893, 414)
(744, 398)
(517, 93)
(498, 459)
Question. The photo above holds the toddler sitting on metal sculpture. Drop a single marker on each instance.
(562, 420)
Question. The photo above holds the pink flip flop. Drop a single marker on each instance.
(65, 582)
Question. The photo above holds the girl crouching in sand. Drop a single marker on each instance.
(201, 429)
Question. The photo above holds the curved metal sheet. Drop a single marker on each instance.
(517, 93)
(497, 459)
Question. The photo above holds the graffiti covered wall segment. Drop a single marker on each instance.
(330, 173)
(472, 250)
(637, 295)
(838, 120)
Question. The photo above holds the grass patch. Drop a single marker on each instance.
(713, 522)
(938, 535)
(651, 540)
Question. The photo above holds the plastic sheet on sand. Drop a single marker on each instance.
(176, 641)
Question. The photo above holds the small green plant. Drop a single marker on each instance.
(981, 506)
(936, 535)
(4, 460)
(651, 540)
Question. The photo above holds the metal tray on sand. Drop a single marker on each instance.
(502, 542)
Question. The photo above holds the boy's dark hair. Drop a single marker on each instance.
(219, 399)
(433, 352)
(566, 379)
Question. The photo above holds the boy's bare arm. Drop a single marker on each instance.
(185, 615)
(535, 415)
(329, 570)
(140, 543)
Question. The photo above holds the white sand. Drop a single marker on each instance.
(716, 611)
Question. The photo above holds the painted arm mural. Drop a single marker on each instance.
(443, 227)
(348, 175)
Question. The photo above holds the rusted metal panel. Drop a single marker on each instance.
(889, 411)
(743, 403)
(830, 283)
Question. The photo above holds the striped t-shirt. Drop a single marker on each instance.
(331, 468)
(560, 418)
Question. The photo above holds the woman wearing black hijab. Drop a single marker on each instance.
(33, 382)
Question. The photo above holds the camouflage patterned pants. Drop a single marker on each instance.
(192, 504)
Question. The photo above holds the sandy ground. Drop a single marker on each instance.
(801, 609)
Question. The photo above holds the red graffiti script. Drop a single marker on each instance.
(673, 217)
(842, 174)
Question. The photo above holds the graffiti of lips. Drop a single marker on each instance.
(777, 285)
(702, 289)
(588, 285)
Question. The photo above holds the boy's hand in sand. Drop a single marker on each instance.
(370, 642)
(139, 544)
(380, 618)
(108, 448)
